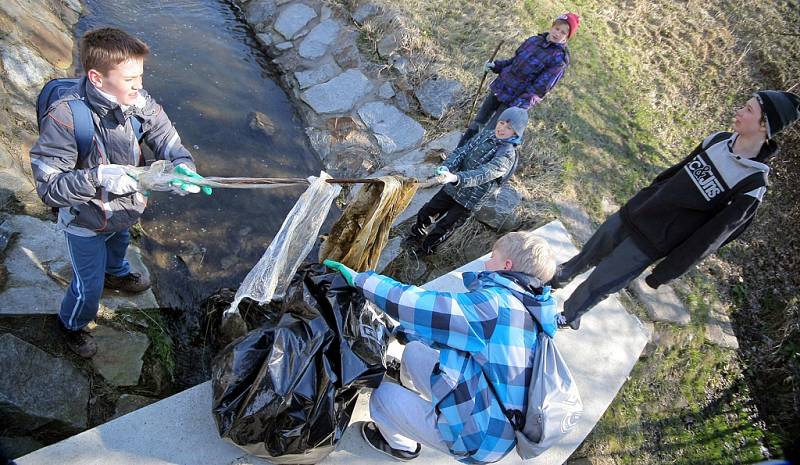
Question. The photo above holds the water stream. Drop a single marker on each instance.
(206, 71)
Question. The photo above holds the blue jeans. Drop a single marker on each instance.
(92, 258)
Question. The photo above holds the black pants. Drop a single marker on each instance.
(437, 220)
(487, 115)
(617, 259)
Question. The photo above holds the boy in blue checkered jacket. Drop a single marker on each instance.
(471, 358)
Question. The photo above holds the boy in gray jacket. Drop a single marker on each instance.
(469, 175)
(96, 200)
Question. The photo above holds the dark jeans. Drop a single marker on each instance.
(437, 220)
(487, 117)
(617, 259)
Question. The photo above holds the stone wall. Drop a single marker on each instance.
(36, 45)
(356, 110)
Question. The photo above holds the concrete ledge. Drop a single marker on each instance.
(181, 430)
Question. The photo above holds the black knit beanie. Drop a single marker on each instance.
(780, 109)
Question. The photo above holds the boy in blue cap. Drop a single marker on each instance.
(470, 174)
(472, 357)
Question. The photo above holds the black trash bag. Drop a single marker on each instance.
(285, 392)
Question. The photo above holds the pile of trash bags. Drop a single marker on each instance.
(285, 392)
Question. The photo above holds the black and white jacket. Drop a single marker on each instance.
(697, 206)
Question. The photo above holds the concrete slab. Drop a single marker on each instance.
(181, 430)
(662, 304)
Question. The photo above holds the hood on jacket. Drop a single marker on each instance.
(526, 288)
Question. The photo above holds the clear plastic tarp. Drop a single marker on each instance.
(273, 272)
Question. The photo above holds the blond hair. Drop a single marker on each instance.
(529, 254)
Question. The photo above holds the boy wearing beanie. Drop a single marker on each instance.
(688, 212)
(524, 79)
(470, 174)
(464, 379)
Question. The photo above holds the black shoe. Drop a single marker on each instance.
(370, 433)
(132, 283)
(393, 368)
(80, 342)
(555, 282)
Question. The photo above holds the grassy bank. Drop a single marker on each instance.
(649, 80)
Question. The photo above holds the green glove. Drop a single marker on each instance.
(187, 186)
(349, 275)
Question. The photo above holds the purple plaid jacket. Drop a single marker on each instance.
(536, 67)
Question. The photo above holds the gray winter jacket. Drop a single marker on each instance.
(480, 165)
(69, 183)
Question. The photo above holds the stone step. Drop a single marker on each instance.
(39, 269)
(181, 430)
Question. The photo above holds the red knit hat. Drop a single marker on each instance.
(573, 21)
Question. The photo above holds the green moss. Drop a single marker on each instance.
(161, 347)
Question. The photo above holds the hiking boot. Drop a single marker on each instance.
(132, 283)
(370, 433)
(80, 342)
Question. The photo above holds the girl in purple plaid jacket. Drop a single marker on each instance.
(536, 67)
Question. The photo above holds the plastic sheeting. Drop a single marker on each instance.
(298, 233)
(361, 234)
(286, 391)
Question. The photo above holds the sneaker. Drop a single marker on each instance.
(370, 433)
(79, 342)
(393, 368)
(131, 282)
(562, 323)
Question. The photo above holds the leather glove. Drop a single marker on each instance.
(349, 274)
(488, 66)
(441, 170)
(183, 187)
(446, 178)
(650, 280)
(115, 179)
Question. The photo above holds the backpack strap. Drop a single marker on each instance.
(83, 126)
(137, 128)
(513, 169)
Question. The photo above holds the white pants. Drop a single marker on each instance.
(405, 417)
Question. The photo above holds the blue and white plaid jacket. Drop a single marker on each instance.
(486, 335)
